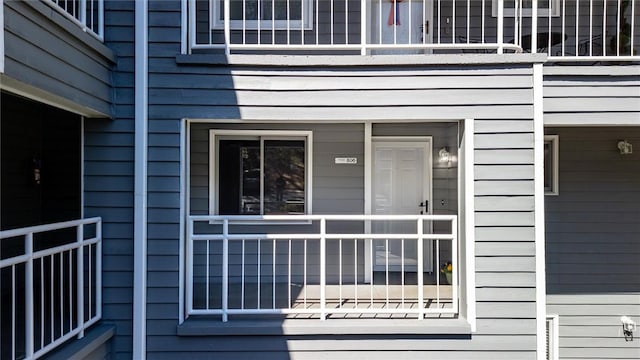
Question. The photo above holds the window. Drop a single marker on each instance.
(551, 157)
(264, 14)
(544, 7)
(260, 172)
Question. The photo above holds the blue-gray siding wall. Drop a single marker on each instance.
(47, 51)
(592, 242)
(499, 97)
(109, 179)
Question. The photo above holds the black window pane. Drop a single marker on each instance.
(284, 164)
(239, 177)
(250, 9)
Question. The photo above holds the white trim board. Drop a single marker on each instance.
(469, 218)
(1, 36)
(554, 140)
(140, 183)
(538, 133)
(598, 119)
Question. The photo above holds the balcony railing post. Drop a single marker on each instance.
(225, 269)
(500, 30)
(189, 267)
(454, 263)
(83, 13)
(80, 284)
(99, 269)
(101, 19)
(363, 27)
(420, 269)
(227, 27)
(323, 268)
(28, 297)
(534, 25)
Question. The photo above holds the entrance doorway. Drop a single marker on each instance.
(401, 185)
(401, 22)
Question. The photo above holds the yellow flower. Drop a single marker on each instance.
(449, 268)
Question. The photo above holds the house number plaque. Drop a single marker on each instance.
(346, 160)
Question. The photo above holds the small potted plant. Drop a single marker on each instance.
(447, 270)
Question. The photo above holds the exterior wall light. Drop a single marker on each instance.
(444, 155)
(625, 147)
(628, 327)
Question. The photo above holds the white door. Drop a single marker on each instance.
(401, 22)
(401, 185)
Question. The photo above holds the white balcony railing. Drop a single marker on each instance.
(50, 278)
(88, 14)
(322, 266)
(564, 29)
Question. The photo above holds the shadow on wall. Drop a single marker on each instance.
(592, 226)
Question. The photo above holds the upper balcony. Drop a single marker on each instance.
(88, 14)
(566, 30)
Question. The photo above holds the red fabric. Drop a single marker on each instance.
(394, 13)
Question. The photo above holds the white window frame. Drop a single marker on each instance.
(553, 337)
(214, 137)
(217, 19)
(526, 12)
(554, 141)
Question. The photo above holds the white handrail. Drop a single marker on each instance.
(254, 253)
(46, 277)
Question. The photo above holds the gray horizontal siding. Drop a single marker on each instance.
(109, 179)
(592, 249)
(43, 49)
(603, 98)
(498, 97)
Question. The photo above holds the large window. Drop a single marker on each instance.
(264, 14)
(259, 172)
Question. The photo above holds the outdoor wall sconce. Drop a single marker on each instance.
(444, 155)
(625, 147)
(628, 327)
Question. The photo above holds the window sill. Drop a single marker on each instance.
(204, 326)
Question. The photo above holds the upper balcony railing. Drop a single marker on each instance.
(566, 30)
(88, 14)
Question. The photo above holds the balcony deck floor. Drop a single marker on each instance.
(305, 299)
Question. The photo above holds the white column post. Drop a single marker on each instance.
(539, 218)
